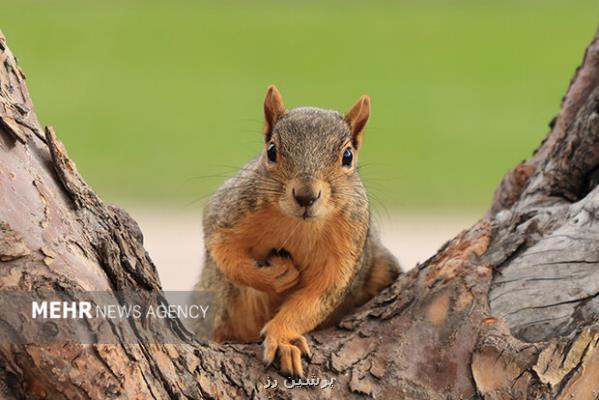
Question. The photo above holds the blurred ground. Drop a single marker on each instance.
(174, 239)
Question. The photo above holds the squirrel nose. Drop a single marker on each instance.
(305, 199)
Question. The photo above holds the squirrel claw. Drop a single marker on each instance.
(302, 343)
(289, 351)
(282, 252)
(266, 364)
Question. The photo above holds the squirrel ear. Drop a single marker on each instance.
(273, 110)
(356, 118)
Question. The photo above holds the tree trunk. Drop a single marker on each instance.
(508, 309)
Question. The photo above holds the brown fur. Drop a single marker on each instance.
(278, 269)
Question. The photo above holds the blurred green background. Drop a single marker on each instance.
(159, 101)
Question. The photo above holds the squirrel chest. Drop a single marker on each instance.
(314, 244)
(318, 249)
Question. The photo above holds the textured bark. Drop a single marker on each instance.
(508, 309)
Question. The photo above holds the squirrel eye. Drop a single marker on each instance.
(348, 157)
(271, 152)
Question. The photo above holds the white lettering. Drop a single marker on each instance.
(39, 309)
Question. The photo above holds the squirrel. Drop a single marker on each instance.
(290, 246)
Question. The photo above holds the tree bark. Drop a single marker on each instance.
(508, 309)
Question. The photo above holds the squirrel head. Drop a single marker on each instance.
(310, 156)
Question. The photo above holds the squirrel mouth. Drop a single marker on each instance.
(307, 214)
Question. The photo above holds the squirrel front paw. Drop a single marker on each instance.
(277, 274)
(290, 347)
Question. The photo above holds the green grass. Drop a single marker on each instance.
(158, 101)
